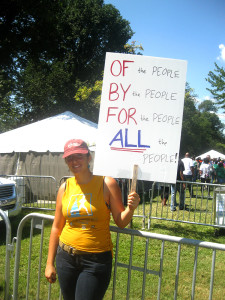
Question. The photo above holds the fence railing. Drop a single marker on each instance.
(36, 191)
(143, 257)
(8, 249)
(203, 203)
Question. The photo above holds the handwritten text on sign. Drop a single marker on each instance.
(140, 117)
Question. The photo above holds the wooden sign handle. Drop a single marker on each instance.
(133, 187)
(134, 179)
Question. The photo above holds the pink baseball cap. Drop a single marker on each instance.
(75, 146)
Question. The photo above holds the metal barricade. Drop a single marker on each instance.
(37, 192)
(63, 179)
(8, 250)
(142, 209)
(199, 203)
(131, 259)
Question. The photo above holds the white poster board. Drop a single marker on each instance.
(140, 117)
(220, 209)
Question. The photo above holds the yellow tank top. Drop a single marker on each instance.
(87, 216)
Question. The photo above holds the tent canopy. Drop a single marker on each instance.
(50, 134)
(213, 154)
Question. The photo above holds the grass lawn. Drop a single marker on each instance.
(192, 231)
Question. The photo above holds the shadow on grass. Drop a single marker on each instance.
(190, 208)
(191, 231)
(15, 223)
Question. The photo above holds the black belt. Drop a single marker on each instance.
(72, 250)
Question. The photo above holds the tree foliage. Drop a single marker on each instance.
(207, 106)
(217, 81)
(50, 48)
(133, 48)
(9, 112)
(201, 131)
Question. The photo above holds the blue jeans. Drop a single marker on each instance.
(83, 277)
(174, 188)
(221, 180)
(188, 178)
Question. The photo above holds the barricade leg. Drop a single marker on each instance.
(8, 251)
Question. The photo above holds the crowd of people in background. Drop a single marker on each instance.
(191, 169)
(209, 170)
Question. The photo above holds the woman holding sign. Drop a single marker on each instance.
(80, 236)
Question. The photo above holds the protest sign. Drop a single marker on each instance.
(140, 117)
(220, 207)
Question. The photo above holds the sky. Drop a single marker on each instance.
(192, 30)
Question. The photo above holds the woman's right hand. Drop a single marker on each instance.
(50, 274)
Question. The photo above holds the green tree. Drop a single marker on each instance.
(50, 48)
(133, 48)
(189, 122)
(201, 131)
(207, 106)
(217, 81)
(8, 109)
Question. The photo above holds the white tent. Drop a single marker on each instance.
(36, 149)
(213, 154)
(50, 134)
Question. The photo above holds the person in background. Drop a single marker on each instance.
(80, 238)
(180, 187)
(205, 171)
(188, 170)
(164, 194)
(210, 168)
(195, 171)
(215, 166)
(199, 162)
(220, 173)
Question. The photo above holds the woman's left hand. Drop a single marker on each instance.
(133, 200)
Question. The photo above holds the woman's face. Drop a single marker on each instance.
(78, 162)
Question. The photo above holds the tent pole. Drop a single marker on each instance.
(17, 165)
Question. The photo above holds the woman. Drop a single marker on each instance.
(80, 236)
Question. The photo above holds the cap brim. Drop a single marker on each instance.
(78, 151)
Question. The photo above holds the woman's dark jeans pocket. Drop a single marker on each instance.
(83, 277)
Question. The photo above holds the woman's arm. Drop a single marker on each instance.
(57, 226)
(113, 196)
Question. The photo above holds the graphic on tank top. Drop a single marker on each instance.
(79, 206)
